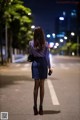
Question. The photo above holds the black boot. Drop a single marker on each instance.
(40, 110)
(35, 110)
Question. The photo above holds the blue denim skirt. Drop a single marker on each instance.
(39, 68)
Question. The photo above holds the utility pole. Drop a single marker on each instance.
(78, 20)
(6, 42)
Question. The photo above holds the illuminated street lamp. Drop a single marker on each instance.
(33, 27)
(48, 35)
(65, 37)
(72, 33)
(29, 13)
(61, 40)
(61, 18)
(57, 44)
(51, 44)
(53, 35)
(55, 47)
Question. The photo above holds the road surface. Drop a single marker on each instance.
(62, 91)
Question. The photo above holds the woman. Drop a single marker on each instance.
(40, 66)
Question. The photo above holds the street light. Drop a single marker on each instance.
(61, 40)
(77, 45)
(57, 44)
(29, 13)
(51, 44)
(53, 35)
(61, 18)
(33, 27)
(65, 37)
(48, 35)
(55, 47)
(72, 33)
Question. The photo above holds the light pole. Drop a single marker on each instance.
(77, 45)
(72, 34)
(6, 42)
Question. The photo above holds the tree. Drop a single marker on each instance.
(74, 47)
(18, 21)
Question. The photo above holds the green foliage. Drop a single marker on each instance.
(68, 44)
(18, 21)
(74, 46)
(64, 48)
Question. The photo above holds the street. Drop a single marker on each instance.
(62, 91)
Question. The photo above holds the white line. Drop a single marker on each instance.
(52, 93)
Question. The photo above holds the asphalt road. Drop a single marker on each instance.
(62, 91)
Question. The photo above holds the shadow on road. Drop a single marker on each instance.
(6, 80)
(51, 111)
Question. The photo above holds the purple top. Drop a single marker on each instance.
(42, 53)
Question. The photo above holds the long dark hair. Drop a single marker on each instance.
(39, 39)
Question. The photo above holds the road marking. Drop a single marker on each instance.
(52, 93)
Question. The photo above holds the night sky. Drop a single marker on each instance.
(44, 12)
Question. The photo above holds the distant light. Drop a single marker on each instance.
(29, 13)
(74, 10)
(64, 13)
(57, 44)
(60, 35)
(51, 44)
(53, 34)
(65, 38)
(48, 35)
(72, 33)
(61, 18)
(33, 26)
(73, 13)
(73, 53)
(61, 40)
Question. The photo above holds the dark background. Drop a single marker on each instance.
(44, 12)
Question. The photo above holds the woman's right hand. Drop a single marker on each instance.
(50, 71)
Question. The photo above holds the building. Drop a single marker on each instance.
(66, 23)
